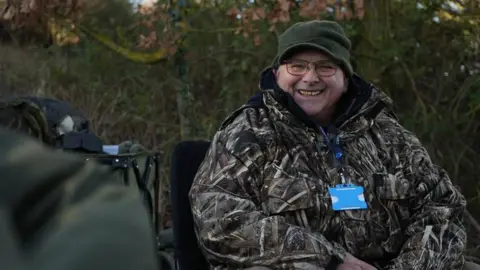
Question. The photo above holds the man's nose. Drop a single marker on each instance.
(311, 76)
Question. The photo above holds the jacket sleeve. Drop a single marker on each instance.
(232, 228)
(436, 234)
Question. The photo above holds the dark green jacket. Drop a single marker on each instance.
(58, 212)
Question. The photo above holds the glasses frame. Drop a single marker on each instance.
(309, 67)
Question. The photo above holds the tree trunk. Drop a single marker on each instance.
(183, 109)
(374, 34)
(184, 106)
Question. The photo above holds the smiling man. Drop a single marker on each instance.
(317, 97)
(315, 172)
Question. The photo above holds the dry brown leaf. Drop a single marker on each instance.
(233, 12)
(284, 5)
(258, 14)
(312, 8)
(360, 13)
(358, 4)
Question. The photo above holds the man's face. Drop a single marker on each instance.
(315, 90)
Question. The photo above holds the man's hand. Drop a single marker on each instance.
(352, 263)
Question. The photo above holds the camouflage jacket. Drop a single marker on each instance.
(260, 198)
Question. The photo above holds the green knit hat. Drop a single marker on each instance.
(325, 36)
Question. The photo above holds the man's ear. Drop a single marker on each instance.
(345, 86)
(275, 72)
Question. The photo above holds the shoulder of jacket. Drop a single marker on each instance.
(244, 130)
(387, 119)
(246, 115)
(390, 127)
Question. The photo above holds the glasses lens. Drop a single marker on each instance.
(325, 68)
(297, 67)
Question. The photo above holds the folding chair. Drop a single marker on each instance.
(186, 158)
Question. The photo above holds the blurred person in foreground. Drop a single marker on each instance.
(58, 212)
(315, 172)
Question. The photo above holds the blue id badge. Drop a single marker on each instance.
(347, 197)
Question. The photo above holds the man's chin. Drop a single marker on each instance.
(311, 112)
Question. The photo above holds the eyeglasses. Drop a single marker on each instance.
(324, 68)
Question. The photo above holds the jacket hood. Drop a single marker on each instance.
(361, 99)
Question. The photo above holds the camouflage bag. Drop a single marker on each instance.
(55, 123)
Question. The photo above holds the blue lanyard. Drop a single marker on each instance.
(337, 151)
(334, 146)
